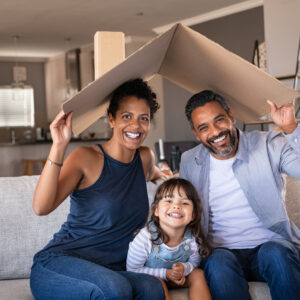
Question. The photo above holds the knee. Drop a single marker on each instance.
(219, 264)
(274, 255)
(152, 286)
(120, 289)
(197, 273)
(196, 277)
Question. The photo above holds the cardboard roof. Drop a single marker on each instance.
(193, 62)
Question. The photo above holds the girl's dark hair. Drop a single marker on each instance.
(166, 189)
(137, 88)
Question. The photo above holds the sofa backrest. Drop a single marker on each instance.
(292, 199)
(22, 233)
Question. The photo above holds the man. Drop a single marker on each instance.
(238, 178)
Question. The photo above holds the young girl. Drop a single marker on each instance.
(172, 244)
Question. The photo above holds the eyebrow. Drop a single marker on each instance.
(129, 112)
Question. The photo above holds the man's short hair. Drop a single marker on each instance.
(201, 99)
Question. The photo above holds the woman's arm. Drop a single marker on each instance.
(55, 182)
(152, 172)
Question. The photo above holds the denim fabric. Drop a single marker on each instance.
(276, 262)
(58, 277)
(163, 257)
(261, 159)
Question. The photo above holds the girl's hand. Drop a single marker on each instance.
(178, 270)
(176, 274)
(283, 117)
(61, 128)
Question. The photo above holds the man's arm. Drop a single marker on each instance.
(284, 118)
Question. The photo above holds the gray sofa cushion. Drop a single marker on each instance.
(17, 289)
(292, 199)
(22, 232)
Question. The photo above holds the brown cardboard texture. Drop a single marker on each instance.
(193, 62)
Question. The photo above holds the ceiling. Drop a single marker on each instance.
(48, 28)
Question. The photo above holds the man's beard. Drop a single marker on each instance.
(227, 149)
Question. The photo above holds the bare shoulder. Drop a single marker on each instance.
(84, 153)
(89, 161)
(147, 155)
(148, 161)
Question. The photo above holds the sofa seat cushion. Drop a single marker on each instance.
(19, 289)
(258, 291)
(15, 289)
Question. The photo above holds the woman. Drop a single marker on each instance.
(86, 259)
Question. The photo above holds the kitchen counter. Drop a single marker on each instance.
(24, 143)
(13, 156)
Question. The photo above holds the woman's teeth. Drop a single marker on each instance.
(133, 135)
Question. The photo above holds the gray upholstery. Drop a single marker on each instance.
(22, 234)
(15, 289)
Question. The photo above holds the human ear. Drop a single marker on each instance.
(195, 133)
(231, 116)
(156, 211)
(193, 216)
(111, 120)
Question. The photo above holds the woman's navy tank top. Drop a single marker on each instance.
(104, 216)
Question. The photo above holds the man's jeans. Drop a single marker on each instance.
(70, 278)
(275, 262)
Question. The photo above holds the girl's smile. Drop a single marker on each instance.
(174, 211)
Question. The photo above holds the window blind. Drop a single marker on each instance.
(16, 106)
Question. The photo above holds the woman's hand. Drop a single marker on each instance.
(176, 274)
(61, 128)
(283, 117)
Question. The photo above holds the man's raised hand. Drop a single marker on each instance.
(283, 116)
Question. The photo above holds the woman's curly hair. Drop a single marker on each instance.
(137, 88)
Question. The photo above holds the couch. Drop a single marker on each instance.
(22, 234)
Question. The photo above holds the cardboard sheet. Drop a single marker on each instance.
(193, 62)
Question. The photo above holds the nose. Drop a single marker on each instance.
(214, 130)
(135, 122)
(176, 205)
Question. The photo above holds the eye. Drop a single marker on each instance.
(186, 203)
(220, 119)
(203, 129)
(167, 200)
(126, 116)
(146, 119)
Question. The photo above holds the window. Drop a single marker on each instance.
(16, 106)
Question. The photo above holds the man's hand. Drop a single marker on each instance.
(283, 117)
(176, 274)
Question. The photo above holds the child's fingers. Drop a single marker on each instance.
(180, 281)
(176, 265)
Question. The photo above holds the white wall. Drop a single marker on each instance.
(55, 80)
(158, 124)
(282, 32)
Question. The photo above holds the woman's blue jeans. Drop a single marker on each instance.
(277, 263)
(71, 278)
